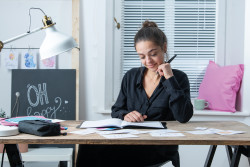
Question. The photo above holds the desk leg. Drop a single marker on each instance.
(236, 156)
(210, 155)
(14, 155)
(229, 153)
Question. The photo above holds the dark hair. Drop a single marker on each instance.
(150, 32)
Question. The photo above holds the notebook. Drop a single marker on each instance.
(118, 123)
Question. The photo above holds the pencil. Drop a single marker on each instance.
(172, 58)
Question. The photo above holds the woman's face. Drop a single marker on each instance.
(151, 55)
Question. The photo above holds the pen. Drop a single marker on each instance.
(169, 61)
(172, 58)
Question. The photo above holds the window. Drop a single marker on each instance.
(190, 26)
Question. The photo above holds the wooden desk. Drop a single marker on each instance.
(145, 139)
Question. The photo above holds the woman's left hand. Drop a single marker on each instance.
(134, 116)
(165, 70)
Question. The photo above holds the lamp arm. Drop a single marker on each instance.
(22, 35)
(18, 37)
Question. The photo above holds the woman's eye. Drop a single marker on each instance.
(142, 57)
(153, 55)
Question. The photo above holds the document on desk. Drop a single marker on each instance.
(162, 134)
(201, 128)
(84, 132)
(163, 131)
(200, 132)
(229, 132)
(204, 130)
(118, 136)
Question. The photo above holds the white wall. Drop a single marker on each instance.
(93, 37)
(92, 61)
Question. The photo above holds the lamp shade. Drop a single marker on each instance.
(55, 43)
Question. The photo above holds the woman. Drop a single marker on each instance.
(152, 93)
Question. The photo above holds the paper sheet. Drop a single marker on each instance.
(162, 134)
(11, 60)
(163, 130)
(118, 136)
(229, 132)
(123, 131)
(84, 132)
(135, 132)
(204, 130)
(200, 132)
(201, 128)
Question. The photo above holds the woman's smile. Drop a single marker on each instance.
(151, 65)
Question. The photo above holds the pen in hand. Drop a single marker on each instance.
(160, 71)
(172, 58)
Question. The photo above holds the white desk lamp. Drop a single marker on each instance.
(54, 43)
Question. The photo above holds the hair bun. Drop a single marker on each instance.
(149, 24)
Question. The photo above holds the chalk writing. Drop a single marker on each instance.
(49, 112)
(39, 94)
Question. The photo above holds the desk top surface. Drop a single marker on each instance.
(145, 139)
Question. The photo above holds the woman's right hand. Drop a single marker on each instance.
(165, 70)
(134, 116)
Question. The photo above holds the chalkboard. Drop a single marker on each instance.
(44, 92)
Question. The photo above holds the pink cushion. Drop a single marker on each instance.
(220, 86)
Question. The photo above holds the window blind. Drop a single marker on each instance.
(190, 27)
